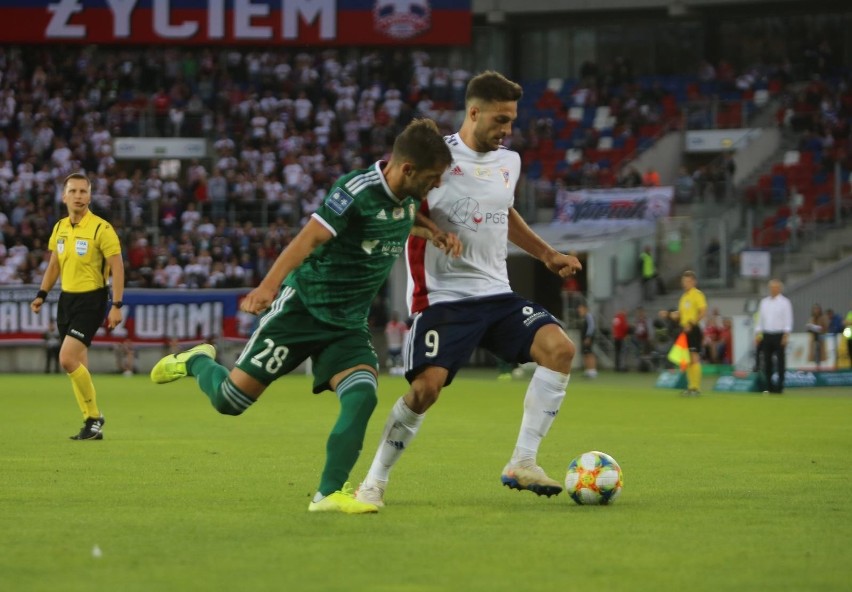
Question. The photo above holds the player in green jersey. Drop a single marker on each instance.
(317, 296)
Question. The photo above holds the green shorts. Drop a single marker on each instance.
(288, 334)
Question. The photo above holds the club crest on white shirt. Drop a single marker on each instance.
(506, 178)
(482, 172)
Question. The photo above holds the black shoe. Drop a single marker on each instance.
(91, 429)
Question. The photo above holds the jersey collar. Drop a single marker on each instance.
(460, 145)
(83, 221)
(379, 166)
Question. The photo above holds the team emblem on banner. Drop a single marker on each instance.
(402, 19)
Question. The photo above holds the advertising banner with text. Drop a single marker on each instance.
(308, 23)
(152, 317)
(613, 207)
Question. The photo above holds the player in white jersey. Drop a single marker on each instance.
(464, 302)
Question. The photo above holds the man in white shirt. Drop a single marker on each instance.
(464, 302)
(774, 323)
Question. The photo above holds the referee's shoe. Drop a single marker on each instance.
(91, 429)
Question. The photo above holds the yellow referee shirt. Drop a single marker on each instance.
(690, 306)
(82, 250)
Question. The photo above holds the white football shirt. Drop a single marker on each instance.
(473, 201)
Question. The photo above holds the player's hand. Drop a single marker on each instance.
(564, 265)
(258, 300)
(35, 305)
(448, 242)
(114, 317)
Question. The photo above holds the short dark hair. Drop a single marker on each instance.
(492, 86)
(76, 176)
(421, 144)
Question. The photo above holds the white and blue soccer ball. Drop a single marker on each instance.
(594, 478)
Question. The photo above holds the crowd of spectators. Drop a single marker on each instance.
(283, 126)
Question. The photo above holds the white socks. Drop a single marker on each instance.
(400, 429)
(541, 404)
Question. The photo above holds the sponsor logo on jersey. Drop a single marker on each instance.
(402, 19)
(381, 215)
(81, 246)
(482, 173)
(457, 171)
(466, 213)
(338, 201)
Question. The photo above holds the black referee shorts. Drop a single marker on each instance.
(81, 314)
(694, 338)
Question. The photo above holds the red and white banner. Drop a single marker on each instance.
(152, 317)
(230, 22)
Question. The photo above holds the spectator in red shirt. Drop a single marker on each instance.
(620, 331)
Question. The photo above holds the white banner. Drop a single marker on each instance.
(755, 264)
(719, 140)
(144, 148)
(800, 352)
(614, 206)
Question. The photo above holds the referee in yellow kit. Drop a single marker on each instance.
(85, 250)
(692, 308)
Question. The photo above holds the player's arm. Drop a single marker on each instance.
(523, 236)
(425, 228)
(309, 238)
(116, 266)
(51, 274)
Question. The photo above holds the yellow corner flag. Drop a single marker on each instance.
(679, 353)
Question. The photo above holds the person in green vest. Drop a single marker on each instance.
(651, 281)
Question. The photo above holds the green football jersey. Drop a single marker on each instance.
(340, 279)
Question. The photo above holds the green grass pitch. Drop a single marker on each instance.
(725, 492)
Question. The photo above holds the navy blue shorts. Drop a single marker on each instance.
(446, 334)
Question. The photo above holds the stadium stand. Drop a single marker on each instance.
(284, 124)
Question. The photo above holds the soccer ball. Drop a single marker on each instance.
(594, 478)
